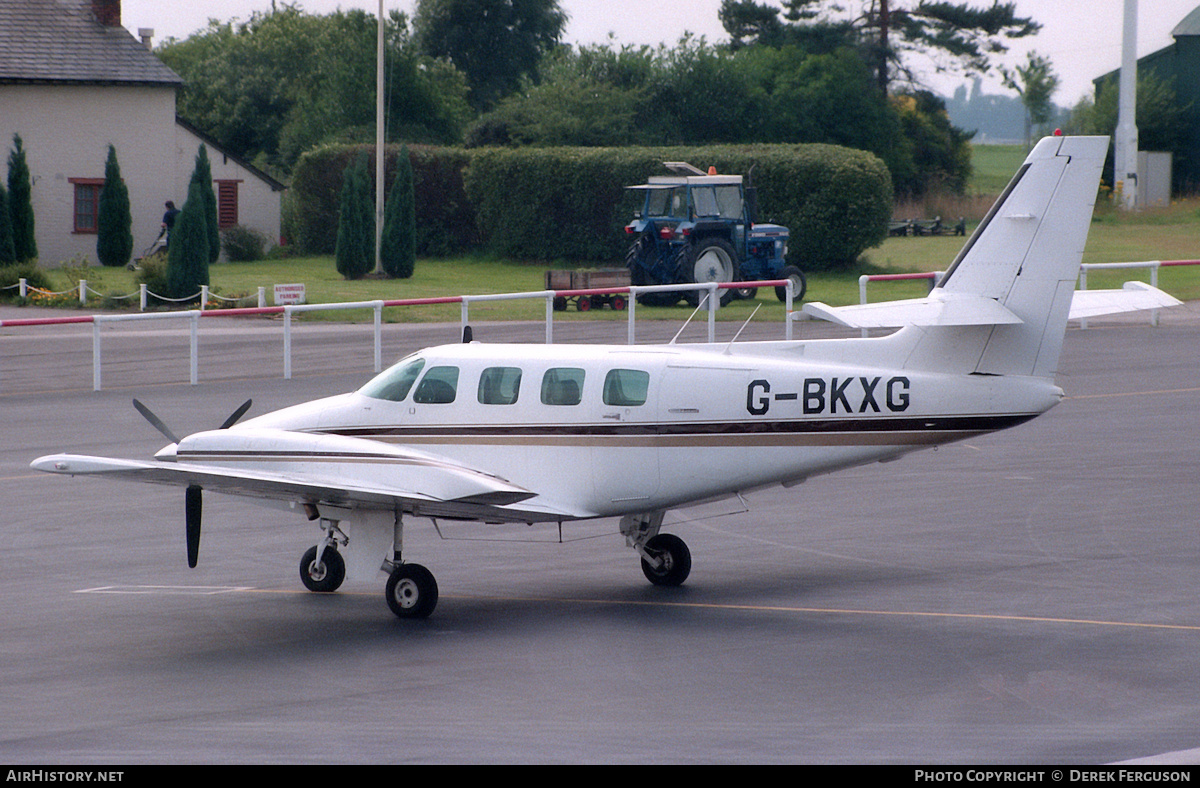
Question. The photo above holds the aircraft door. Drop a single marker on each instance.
(624, 449)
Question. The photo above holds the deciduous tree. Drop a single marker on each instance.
(494, 42)
(1035, 82)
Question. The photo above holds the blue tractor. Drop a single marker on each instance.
(696, 227)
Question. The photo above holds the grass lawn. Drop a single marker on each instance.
(1171, 233)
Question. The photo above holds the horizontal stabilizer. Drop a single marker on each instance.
(938, 309)
(1133, 297)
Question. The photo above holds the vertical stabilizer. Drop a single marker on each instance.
(1025, 255)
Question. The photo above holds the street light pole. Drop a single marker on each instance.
(1125, 160)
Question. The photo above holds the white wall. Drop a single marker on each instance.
(66, 131)
(259, 205)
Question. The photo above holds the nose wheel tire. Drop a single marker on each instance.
(326, 576)
(411, 591)
(676, 560)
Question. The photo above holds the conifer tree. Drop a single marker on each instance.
(355, 250)
(20, 203)
(398, 249)
(8, 255)
(202, 175)
(187, 256)
(114, 233)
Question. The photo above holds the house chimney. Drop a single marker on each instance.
(108, 12)
(147, 36)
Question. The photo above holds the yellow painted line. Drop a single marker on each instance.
(854, 612)
(1134, 393)
(771, 609)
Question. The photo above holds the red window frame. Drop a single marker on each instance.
(85, 212)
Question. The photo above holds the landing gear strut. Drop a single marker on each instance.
(322, 568)
(666, 560)
(411, 591)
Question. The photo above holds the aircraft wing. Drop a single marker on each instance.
(945, 309)
(1133, 297)
(323, 469)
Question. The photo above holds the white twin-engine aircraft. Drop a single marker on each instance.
(555, 434)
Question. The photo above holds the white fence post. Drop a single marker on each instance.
(378, 335)
(95, 355)
(194, 348)
(287, 342)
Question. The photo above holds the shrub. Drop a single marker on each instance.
(355, 251)
(152, 272)
(187, 258)
(11, 276)
(20, 203)
(114, 236)
(243, 244)
(398, 248)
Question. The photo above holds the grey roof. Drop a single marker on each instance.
(61, 41)
(1189, 26)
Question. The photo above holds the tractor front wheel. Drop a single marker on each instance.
(712, 260)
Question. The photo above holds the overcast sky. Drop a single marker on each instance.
(1082, 38)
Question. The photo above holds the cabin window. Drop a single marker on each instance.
(393, 384)
(499, 385)
(562, 386)
(626, 387)
(438, 387)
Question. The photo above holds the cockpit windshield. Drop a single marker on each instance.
(394, 383)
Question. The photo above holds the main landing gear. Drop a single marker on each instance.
(666, 560)
(411, 590)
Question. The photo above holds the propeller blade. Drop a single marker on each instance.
(237, 414)
(191, 510)
(156, 421)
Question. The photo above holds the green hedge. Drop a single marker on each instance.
(445, 219)
(571, 204)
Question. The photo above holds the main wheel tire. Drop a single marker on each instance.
(325, 577)
(411, 591)
(799, 284)
(712, 260)
(676, 558)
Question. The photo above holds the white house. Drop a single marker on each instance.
(72, 82)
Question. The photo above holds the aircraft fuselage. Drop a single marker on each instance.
(611, 430)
